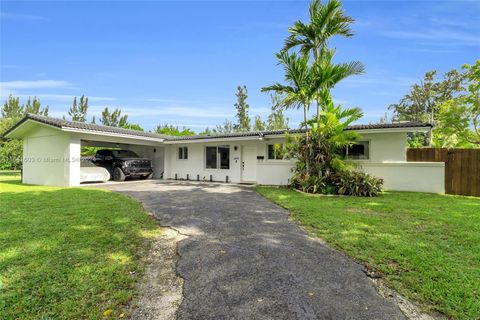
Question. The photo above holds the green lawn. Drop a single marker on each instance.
(426, 246)
(69, 253)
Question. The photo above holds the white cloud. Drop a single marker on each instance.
(160, 100)
(199, 112)
(379, 80)
(437, 36)
(65, 97)
(33, 84)
(20, 17)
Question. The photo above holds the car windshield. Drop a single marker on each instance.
(124, 154)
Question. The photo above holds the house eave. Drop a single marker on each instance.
(109, 134)
(393, 130)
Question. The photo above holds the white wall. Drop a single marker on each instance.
(409, 176)
(274, 172)
(51, 157)
(154, 153)
(387, 146)
(195, 164)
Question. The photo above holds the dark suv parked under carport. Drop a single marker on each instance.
(123, 163)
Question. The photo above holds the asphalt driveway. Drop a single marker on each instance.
(244, 259)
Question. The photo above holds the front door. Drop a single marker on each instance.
(249, 164)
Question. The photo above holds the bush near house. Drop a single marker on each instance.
(69, 253)
(425, 246)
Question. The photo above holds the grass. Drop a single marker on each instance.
(69, 253)
(425, 246)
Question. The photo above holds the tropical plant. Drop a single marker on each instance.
(300, 88)
(301, 83)
(357, 183)
(319, 159)
(325, 21)
(331, 74)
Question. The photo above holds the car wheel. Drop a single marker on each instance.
(147, 177)
(118, 174)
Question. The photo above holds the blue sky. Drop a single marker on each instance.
(180, 62)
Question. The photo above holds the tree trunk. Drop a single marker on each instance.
(307, 149)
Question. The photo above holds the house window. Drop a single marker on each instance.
(358, 151)
(217, 157)
(183, 153)
(276, 151)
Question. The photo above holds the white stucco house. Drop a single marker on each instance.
(51, 151)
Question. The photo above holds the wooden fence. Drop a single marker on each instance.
(462, 167)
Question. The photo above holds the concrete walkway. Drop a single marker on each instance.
(242, 258)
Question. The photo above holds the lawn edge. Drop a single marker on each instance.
(412, 309)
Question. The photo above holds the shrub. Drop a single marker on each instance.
(356, 183)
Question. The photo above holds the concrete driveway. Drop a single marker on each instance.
(244, 259)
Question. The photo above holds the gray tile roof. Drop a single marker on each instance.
(62, 123)
(293, 131)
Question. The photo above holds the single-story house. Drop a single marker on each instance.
(51, 151)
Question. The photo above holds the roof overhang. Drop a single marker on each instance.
(23, 127)
(281, 135)
(393, 130)
(109, 134)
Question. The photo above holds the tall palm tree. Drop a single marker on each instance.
(331, 74)
(301, 85)
(326, 20)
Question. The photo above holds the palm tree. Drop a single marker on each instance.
(331, 74)
(301, 85)
(326, 21)
(300, 88)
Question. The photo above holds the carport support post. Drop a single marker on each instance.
(71, 162)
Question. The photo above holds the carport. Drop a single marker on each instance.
(153, 152)
(52, 147)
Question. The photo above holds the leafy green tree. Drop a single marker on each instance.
(325, 21)
(132, 126)
(276, 120)
(33, 106)
(226, 127)
(422, 102)
(458, 119)
(242, 107)
(114, 118)
(12, 111)
(172, 130)
(206, 132)
(258, 124)
(79, 112)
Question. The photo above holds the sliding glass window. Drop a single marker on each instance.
(217, 157)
